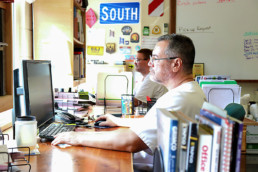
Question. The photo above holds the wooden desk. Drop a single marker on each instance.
(78, 158)
(53, 158)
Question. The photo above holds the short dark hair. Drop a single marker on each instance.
(146, 52)
(180, 46)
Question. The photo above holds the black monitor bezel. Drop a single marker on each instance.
(26, 87)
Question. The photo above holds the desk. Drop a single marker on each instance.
(78, 158)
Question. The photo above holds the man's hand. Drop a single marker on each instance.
(121, 140)
(71, 138)
(110, 120)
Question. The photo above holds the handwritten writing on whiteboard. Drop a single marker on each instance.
(225, 1)
(251, 48)
(199, 2)
(197, 29)
(189, 2)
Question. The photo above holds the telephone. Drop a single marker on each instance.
(65, 117)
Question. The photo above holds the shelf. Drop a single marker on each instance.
(3, 5)
(77, 42)
(79, 81)
(247, 81)
(7, 102)
(3, 44)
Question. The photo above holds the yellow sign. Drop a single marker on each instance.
(156, 30)
(95, 50)
(198, 69)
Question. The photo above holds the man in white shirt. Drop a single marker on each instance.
(146, 87)
(171, 65)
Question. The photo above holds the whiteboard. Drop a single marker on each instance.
(225, 35)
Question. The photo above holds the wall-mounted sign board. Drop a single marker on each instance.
(119, 13)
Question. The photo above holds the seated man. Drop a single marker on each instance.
(171, 65)
(146, 87)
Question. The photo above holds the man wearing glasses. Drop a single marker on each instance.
(146, 87)
(171, 65)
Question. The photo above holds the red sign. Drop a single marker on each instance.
(156, 8)
(90, 18)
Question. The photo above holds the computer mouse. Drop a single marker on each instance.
(98, 122)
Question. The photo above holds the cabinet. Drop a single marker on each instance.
(6, 101)
(55, 40)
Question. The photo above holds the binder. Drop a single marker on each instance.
(221, 93)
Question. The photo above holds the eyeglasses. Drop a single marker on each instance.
(152, 59)
(137, 60)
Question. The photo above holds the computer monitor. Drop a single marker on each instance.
(37, 90)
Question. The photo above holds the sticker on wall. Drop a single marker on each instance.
(121, 40)
(156, 30)
(126, 42)
(130, 57)
(129, 66)
(95, 50)
(111, 33)
(146, 31)
(125, 49)
(165, 30)
(156, 8)
(135, 38)
(90, 17)
(110, 48)
(126, 30)
(137, 47)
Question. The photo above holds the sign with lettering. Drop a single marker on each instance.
(90, 17)
(95, 50)
(119, 13)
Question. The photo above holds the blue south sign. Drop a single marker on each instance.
(119, 13)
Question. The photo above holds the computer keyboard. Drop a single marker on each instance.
(55, 128)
